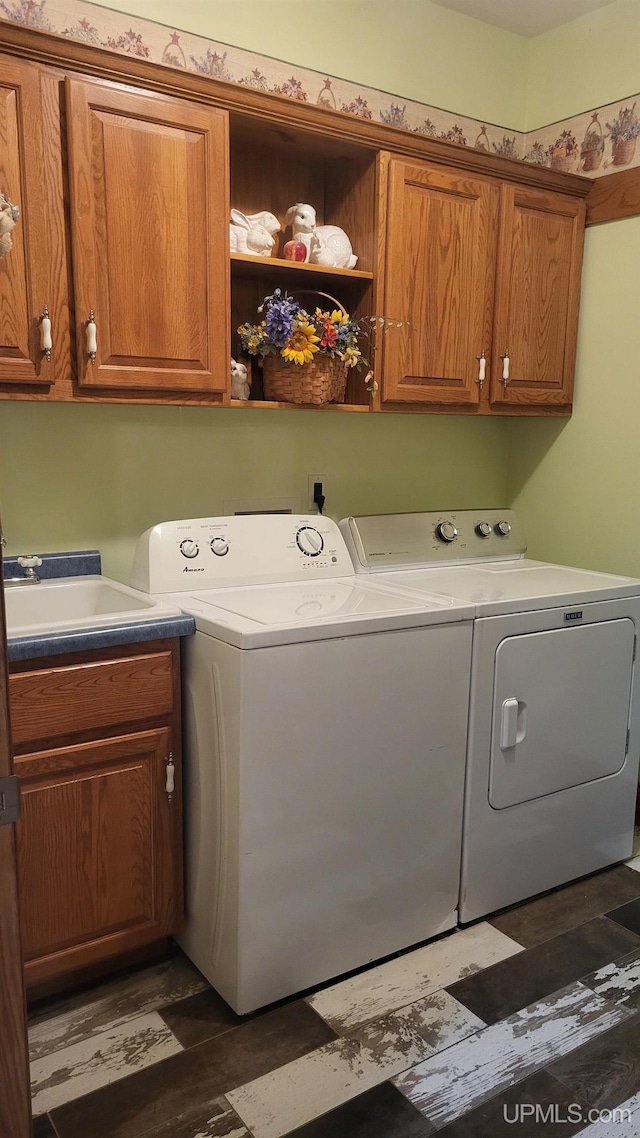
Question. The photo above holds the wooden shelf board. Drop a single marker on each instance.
(298, 266)
(301, 406)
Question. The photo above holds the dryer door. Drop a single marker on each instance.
(560, 709)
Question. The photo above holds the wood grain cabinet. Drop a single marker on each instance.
(33, 280)
(137, 245)
(149, 226)
(485, 277)
(97, 751)
(125, 173)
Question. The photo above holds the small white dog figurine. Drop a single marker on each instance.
(8, 216)
(326, 244)
(240, 384)
(253, 233)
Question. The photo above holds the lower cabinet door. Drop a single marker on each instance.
(99, 850)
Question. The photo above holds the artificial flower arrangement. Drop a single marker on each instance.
(323, 343)
(296, 335)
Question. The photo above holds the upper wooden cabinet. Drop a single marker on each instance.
(537, 297)
(33, 273)
(149, 227)
(439, 277)
(486, 279)
(125, 192)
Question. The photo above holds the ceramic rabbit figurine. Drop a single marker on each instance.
(240, 385)
(253, 233)
(326, 244)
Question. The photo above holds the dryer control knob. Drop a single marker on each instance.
(189, 548)
(446, 531)
(483, 529)
(503, 528)
(219, 546)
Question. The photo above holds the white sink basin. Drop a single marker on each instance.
(66, 603)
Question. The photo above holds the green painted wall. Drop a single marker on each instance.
(408, 47)
(577, 485)
(584, 64)
(81, 476)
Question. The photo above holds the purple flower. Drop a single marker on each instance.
(279, 319)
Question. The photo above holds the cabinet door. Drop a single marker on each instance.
(149, 223)
(537, 297)
(98, 851)
(32, 273)
(439, 277)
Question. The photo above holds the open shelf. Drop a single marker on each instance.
(298, 267)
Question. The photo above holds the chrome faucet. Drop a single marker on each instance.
(30, 564)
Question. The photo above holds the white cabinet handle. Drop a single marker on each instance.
(482, 369)
(170, 783)
(92, 337)
(505, 366)
(45, 331)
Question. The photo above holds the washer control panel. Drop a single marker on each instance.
(212, 553)
(395, 541)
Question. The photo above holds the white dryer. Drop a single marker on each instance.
(554, 721)
(325, 731)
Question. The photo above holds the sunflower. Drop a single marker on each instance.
(301, 344)
(339, 317)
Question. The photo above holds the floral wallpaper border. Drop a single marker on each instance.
(594, 143)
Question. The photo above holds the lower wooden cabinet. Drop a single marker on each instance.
(100, 837)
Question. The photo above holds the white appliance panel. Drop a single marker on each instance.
(257, 616)
(525, 848)
(561, 702)
(223, 552)
(516, 586)
(324, 789)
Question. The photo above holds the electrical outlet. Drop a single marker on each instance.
(311, 481)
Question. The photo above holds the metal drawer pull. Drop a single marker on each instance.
(92, 337)
(482, 369)
(170, 784)
(505, 366)
(45, 330)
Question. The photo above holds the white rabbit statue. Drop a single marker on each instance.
(251, 235)
(240, 385)
(326, 244)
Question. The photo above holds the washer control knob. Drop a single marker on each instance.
(219, 546)
(503, 529)
(446, 531)
(189, 548)
(483, 529)
(309, 541)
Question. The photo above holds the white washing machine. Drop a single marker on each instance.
(554, 719)
(325, 731)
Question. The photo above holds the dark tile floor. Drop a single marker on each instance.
(533, 1011)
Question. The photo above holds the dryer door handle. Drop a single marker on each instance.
(512, 728)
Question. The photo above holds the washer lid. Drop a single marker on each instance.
(256, 616)
(499, 587)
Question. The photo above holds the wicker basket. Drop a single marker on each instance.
(564, 162)
(592, 147)
(623, 151)
(324, 380)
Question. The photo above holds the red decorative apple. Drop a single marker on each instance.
(295, 251)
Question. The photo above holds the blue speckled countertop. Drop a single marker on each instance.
(81, 640)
